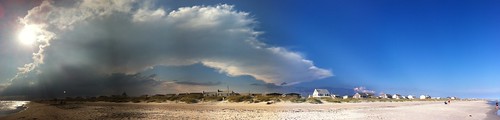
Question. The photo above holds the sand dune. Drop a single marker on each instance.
(458, 110)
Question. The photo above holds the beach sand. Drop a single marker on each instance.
(417, 110)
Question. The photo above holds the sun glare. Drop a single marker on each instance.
(27, 35)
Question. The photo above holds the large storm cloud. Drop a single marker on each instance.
(105, 44)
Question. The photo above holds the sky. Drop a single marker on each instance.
(89, 47)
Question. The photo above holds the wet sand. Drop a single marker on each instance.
(418, 110)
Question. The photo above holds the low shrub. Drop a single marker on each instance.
(297, 100)
(189, 100)
(331, 100)
(239, 98)
(313, 101)
(258, 99)
(213, 98)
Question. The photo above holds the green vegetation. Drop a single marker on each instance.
(239, 99)
(294, 99)
(213, 98)
(314, 101)
(198, 97)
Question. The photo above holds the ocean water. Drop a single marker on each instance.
(9, 107)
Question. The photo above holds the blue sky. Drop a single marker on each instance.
(435, 47)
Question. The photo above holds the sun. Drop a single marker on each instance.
(27, 35)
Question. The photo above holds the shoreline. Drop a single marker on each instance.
(342, 111)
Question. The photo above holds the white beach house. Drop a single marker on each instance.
(425, 97)
(321, 93)
(411, 97)
(396, 96)
(385, 96)
(361, 95)
(345, 97)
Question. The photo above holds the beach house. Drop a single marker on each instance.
(320, 93)
(345, 97)
(425, 97)
(411, 97)
(396, 96)
(403, 97)
(251, 94)
(385, 96)
(362, 95)
(209, 93)
(274, 94)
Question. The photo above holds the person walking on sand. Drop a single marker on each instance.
(497, 105)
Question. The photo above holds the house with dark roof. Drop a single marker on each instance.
(321, 93)
(385, 96)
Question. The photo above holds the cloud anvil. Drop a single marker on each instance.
(102, 38)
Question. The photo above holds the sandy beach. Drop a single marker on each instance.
(417, 110)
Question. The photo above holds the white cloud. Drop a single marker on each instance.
(114, 36)
(362, 89)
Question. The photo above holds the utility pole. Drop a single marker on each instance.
(228, 90)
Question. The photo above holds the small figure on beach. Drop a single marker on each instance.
(445, 103)
(449, 101)
(497, 105)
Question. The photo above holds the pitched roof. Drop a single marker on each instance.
(322, 91)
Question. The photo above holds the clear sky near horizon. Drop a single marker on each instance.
(435, 47)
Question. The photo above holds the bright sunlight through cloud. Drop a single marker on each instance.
(27, 35)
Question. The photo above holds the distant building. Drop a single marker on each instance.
(356, 96)
(219, 93)
(334, 96)
(321, 93)
(425, 97)
(397, 96)
(385, 96)
(209, 93)
(225, 93)
(274, 94)
(251, 94)
(404, 97)
(411, 97)
(362, 95)
(345, 97)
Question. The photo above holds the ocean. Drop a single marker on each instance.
(9, 107)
